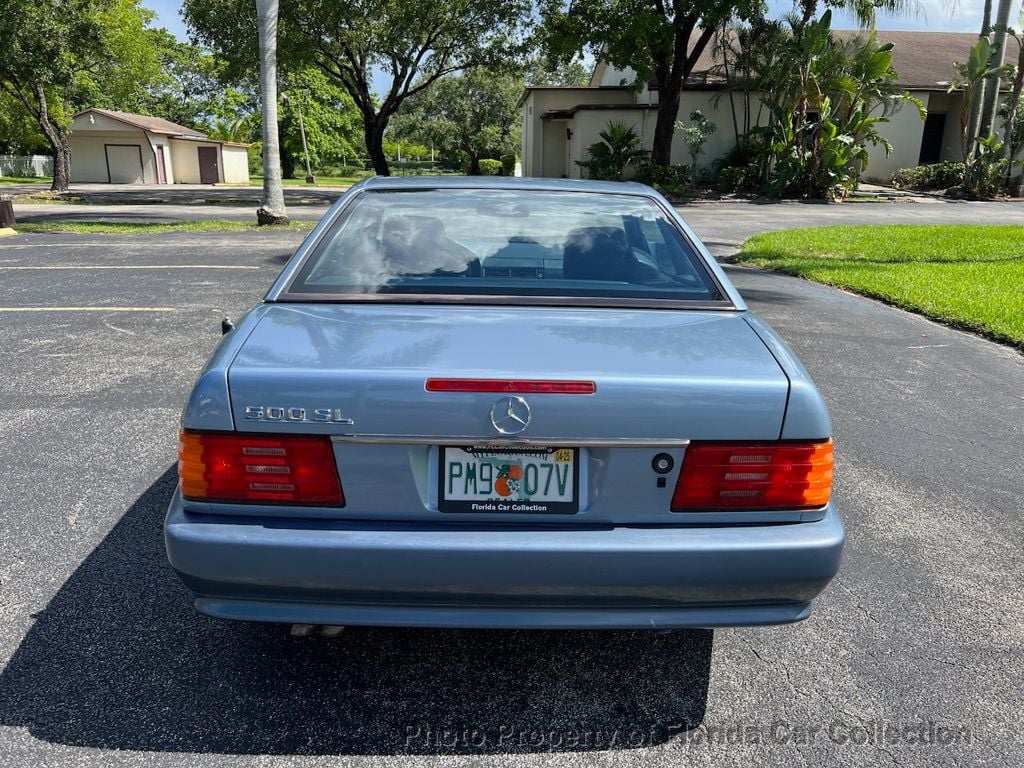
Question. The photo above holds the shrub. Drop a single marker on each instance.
(933, 176)
(508, 165)
(620, 146)
(667, 179)
(734, 178)
(695, 134)
(984, 173)
(342, 170)
(740, 167)
(490, 167)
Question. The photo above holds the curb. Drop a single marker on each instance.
(7, 232)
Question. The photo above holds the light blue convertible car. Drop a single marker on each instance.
(504, 403)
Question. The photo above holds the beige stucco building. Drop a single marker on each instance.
(122, 148)
(560, 123)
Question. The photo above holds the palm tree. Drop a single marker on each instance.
(621, 146)
(974, 120)
(990, 99)
(272, 210)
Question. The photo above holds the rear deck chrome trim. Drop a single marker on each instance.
(516, 442)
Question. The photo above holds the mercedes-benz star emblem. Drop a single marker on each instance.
(510, 415)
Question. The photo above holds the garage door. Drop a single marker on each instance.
(124, 163)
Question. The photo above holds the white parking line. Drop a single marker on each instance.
(126, 266)
(87, 309)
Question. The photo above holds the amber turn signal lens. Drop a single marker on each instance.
(276, 469)
(754, 476)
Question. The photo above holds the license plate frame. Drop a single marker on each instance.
(497, 505)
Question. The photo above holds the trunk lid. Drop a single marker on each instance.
(668, 376)
(659, 374)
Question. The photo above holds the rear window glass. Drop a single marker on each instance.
(507, 243)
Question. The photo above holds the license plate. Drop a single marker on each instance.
(531, 480)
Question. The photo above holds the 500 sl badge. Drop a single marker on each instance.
(284, 413)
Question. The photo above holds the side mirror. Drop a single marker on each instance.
(226, 327)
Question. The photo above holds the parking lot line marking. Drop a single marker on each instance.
(127, 266)
(87, 309)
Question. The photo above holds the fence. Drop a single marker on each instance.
(37, 166)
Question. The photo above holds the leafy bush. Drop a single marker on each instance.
(255, 153)
(343, 170)
(667, 179)
(508, 165)
(984, 172)
(490, 167)
(695, 134)
(740, 167)
(734, 178)
(930, 177)
(825, 99)
(620, 147)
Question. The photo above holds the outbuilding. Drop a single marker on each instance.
(123, 148)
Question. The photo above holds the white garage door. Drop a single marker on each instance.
(124, 162)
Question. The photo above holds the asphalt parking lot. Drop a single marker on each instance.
(912, 658)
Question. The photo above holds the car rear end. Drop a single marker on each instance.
(387, 458)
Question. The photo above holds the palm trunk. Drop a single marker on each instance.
(1012, 104)
(991, 97)
(970, 131)
(272, 211)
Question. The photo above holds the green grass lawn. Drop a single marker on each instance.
(25, 180)
(968, 276)
(153, 228)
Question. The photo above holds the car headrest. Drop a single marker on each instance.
(596, 253)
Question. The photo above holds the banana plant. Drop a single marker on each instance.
(826, 101)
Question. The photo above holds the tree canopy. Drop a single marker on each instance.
(412, 42)
(467, 117)
(659, 40)
(59, 56)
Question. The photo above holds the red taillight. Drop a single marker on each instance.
(745, 476)
(513, 386)
(280, 469)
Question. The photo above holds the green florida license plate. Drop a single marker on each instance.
(530, 480)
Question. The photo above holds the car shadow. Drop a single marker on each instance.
(120, 660)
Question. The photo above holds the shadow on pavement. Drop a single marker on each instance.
(120, 660)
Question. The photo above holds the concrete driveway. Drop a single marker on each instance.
(913, 657)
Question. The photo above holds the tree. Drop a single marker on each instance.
(864, 10)
(695, 136)
(982, 62)
(825, 99)
(58, 56)
(272, 210)
(192, 88)
(541, 70)
(1013, 123)
(990, 97)
(973, 118)
(19, 132)
(467, 117)
(412, 42)
(659, 41)
(334, 127)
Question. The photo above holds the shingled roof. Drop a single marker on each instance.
(147, 123)
(923, 60)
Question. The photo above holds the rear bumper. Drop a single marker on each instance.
(456, 575)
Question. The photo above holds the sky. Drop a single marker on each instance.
(933, 15)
